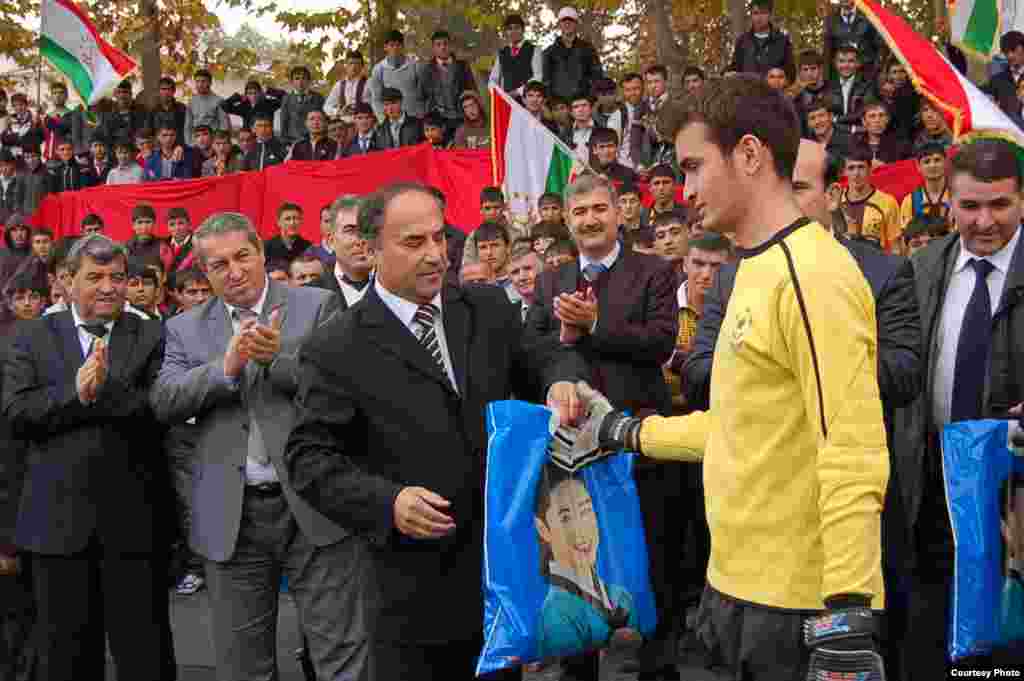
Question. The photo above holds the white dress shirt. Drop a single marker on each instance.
(847, 87)
(681, 295)
(405, 310)
(958, 294)
(256, 473)
(351, 293)
(85, 339)
(607, 260)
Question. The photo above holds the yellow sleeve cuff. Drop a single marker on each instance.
(675, 438)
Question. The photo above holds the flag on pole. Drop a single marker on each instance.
(969, 112)
(71, 43)
(527, 159)
(974, 27)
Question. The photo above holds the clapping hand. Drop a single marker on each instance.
(577, 309)
(93, 373)
(264, 342)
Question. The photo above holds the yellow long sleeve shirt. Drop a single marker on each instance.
(795, 515)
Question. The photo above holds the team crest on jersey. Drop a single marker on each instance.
(744, 320)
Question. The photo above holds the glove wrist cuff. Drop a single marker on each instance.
(619, 431)
(838, 625)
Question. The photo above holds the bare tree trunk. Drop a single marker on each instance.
(671, 52)
(384, 19)
(738, 17)
(150, 52)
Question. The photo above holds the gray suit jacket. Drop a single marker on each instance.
(191, 384)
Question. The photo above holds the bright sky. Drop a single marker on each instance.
(232, 18)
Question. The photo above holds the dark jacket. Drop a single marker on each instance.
(265, 154)
(1004, 385)
(294, 108)
(850, 117)
(1004, 89)
(438, 96)
(185, 169)
(455, 239)
(638, 319)
(86, 475)
(37, 184)
(758, 56)
(12, 465)
(893, 147)
(325, 150)
(122, 126)
(858, 32)
(353, 148)
(276, 250)
(569, 70)
(173, 115)
(69, 177)
(238, 105)
(358, 442)
(411, 133)
(13, 199)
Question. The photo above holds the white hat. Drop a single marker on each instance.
(568, 13)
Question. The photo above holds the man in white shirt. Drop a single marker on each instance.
(350, 276)
(524, 266)
(969, 285)
(519, 61)
(350, 90)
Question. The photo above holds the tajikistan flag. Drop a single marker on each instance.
(527, 159)
(71, 43)
(969, 112)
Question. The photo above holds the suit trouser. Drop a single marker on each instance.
(180, 448)
(17, 618)
(397, 661)
(660, 487)
(333, 587)
(82, 596)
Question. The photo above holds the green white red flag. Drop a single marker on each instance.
(970, 113)
(71, 43)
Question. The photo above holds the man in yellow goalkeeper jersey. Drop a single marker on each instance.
(794, 448)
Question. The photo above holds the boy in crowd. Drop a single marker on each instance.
(278, 270)
(224, 160)
(604, 157)
(325, 249)
(443, 82)
(398, 129)
(630, 207)
(171, 160)
(145, 144)
(433, 130)
(492, 245)
(144, 244)
(42, 243)
(570, 63)
(663, 191)
(475, 131)
(169, 112)
(933, 126)
(256, 101)
(35, 178)
(28, 295)
(919, 232)
(519, 62)
(125, 118)
(100, 166)
(191, 288)
(577, 136)
(127, 170)
(810, 84)
(143, 289)
(350, 90)
(316, 146)
(297, 104)
(693, 80)
(202, 143)
(932, 197)
(399, 71)
(524, 266)
(670, 242)
(179, 225)
(870, 213)
(305, 270)
(821, 127)
(204, 107)
(763, 47)
(549, 207)
(365, 139)
(559, 253)
(67, 174)
(476, 272)
(849, 89)
(267, 150)
(92, 224)
(886, 145)
(288, 244)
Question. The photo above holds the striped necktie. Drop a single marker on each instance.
(425, 316)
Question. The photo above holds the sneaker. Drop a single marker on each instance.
(189, 584)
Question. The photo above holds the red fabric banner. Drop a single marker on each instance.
(461, 175)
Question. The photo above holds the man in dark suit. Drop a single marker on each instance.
(231, 365)
(406, 371)
(899, 365)
(398, 129)
(365, 139)
(1003, 85)
(619, 310)
(75, 387)
(350, 276)
(969, 284)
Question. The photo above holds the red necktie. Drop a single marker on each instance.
(515, 51)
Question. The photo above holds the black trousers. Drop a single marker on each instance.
(449, 661)
(17, 618)
(667, 506)
(85, 597)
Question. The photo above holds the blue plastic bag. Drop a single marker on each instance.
(984, 482)
(565, 562)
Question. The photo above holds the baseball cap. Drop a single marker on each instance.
(568, 13)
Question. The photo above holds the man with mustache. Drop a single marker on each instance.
(618, 309)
